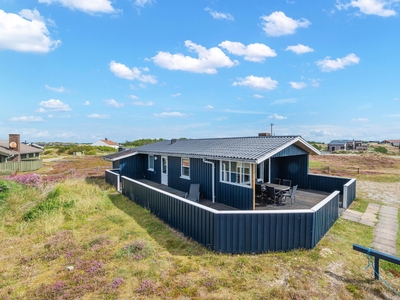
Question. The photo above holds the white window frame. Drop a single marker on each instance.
(238, 176)
(184, 176)
(149, 162)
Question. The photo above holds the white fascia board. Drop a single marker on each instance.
(298, 141)
(121, 157)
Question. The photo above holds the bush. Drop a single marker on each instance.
(51, 203)
(4, 188)
(381, 149)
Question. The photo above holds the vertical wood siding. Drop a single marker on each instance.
(237, 232)
(112, 177)
(326, 183)
(294, 168)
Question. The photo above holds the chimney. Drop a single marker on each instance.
(173, 141)
(105, 139)
(264, 134)
(14, 144)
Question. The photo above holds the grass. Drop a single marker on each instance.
(118, 250)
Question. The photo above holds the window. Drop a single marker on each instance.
(236, 172)
(151, 162)
(185, 169)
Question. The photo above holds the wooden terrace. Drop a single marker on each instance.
(305, 199)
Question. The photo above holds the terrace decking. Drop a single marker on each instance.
(305, 199)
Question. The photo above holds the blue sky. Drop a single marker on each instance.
(79, 71)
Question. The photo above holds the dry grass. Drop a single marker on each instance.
(120, 251)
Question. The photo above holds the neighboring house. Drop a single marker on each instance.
(12, 150)
(345, 145)
(394, 143)
(227, 219)
(106, 142)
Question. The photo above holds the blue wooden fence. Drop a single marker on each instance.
(238, 231)
(346, 186)
(113, 178)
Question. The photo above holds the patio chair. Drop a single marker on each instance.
(291, 195)
(194, 192)
(276, 181)
(272, 195)
(287, 182)
(259, 192)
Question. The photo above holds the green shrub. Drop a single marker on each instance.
(381, 149)
(52, 203)
(4, 188)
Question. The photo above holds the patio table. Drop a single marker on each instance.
(278, 189)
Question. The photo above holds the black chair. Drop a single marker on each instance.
(272, 195)
(259, 192)
(276, 181)
(287, 182)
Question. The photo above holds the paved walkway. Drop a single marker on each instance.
(385, 226)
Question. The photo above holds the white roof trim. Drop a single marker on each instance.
(120, 157)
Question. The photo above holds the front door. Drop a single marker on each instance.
(164, 170)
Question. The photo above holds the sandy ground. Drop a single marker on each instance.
(382, 193)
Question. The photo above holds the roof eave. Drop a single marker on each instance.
(298, 141)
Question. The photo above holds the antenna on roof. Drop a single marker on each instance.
(271, 128)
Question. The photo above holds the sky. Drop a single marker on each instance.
(80, 71)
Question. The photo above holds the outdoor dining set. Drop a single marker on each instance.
(276, 192)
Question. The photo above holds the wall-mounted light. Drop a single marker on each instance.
(155, 158)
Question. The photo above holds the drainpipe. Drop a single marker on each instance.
(11, 156)
(212, 178)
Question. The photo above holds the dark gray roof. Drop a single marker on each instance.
(340, 142)
(24, 149)
(254, 149)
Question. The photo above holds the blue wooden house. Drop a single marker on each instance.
(156, 176)
(226, 168)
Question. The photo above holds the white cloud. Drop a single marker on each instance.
(278, 24)
(55, 105)
(41, 110)
(328, 65)
(143, 3)
(90, 7)
(59, 117)
(275, 116)
(396, 99)
(253, 52)
(112, 102)
(315, 82)
(245, 112)
(55, 89)
(393, 116)
(207, 62)
(171, 114)
(218, 15)
(138, 103)
(360, 120)
(257, 96)
(86, 103)
(133, 97)
(209, 107)
(176, 95)
(122, 71)
(299, 49)
(284, 101)
(254, 82)
(26, 119)
(298, 85)
(382, 8)
(98, 116)
(26, 32)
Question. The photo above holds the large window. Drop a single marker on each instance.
(185, 169)
(236, 172)
(151, 162)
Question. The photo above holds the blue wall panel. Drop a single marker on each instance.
(294, 168)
